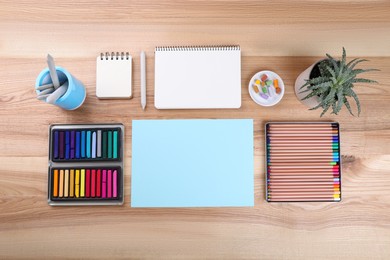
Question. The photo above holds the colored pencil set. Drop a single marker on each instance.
(85, 144)
(86, 164)
(303, 162)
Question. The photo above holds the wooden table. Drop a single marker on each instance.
(281, 36)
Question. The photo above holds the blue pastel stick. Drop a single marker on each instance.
(67, 145)
(72, 143)
(56, 145)
(88, 144)
(78, 145)
(94, 145)
(83, 144)
(62, 144)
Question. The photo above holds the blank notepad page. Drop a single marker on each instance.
(113, 76)
(197, 77)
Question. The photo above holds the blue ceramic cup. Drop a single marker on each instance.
(74, 97)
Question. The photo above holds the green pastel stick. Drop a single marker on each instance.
(115, 145)
(109, 144)
(104, 155)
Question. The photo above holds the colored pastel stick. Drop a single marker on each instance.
(88, 144)
(78, 137)
(109, 184)
(88, 183)
(77, 186)
(55, 183)
(98, 183)
(72, 144)
(61, 187)
(94, 145)
(82, 183)
(62, 145)
(99, 144)
(56, 145)
(104, 186)
(115, 184)
(93, 183)
(109, 144)
(83, 137)
(67, 145)
(66, 183)
(104, 144)
(71, 183)
(115, 144)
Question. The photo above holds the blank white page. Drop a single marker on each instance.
(113, 77)
(199, 77)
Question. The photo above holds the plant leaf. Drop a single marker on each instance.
(352, 64)
(318, 80)
(306, 90)
(351, 93)
(348, 106)
(322, 85)
(343, 60)
(311, 94)
(356, 80)
(331, 71)
(334, 63)
(358, 71)
(340, 101)
(351, 61)
(327, 100)
(325, 109)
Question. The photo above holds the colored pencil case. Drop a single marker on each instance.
(86, 164)
(302, 161)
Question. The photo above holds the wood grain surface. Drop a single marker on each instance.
(283, 36)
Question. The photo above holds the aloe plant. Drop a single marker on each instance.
(335, 84)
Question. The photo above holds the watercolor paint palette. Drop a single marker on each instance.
(86, 164)
(303, 162)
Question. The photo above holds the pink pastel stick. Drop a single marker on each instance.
(109, 184)
(104, 194)
(115, 191)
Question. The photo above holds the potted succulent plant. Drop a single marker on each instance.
(329, 83)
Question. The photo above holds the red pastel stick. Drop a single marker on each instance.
(104, 186)
(98, 184)
(88, 183)
(93, 184)
(109, 184)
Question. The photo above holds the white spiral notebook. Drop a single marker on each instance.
(197, 77)
(113, 75)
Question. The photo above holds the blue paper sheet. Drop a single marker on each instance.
(192, 163)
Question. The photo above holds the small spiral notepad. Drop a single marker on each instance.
(113, 75)
(197, 77)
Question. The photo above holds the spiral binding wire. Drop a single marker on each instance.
(199, 48)
(114, 56)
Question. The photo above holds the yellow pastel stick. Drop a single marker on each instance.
(71, 183)
(82, 183)
(77, 186)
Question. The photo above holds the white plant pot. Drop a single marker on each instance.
(305, 75)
